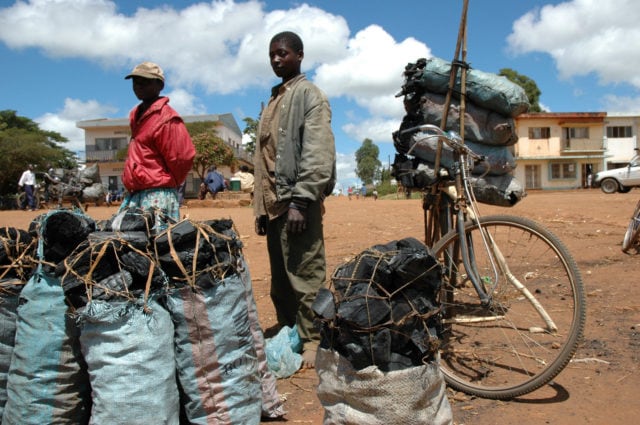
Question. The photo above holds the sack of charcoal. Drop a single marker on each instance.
(113, 283)
(47, 381)
(379, 325)
(219, 347)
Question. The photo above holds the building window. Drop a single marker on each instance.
(111, 143)
(563, 170)
(619, 132)
(576, 132)
(539, 132)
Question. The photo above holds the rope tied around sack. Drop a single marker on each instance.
(17, 251)
(383, 291)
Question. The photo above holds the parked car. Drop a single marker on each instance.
(620, 179)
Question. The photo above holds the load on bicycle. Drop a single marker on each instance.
(512, 298)
(487, 118)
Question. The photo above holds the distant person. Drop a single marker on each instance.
(363, 191)
(27, 183)
(181, 190)
(160, 152)
(214, 182)
(375, 194)
(349, 192)
(246, 179)
(295, 165)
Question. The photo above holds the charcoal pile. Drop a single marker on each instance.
(198, 253)
(17, 254)
(383, 310)
(110, 265)
(491, 105)
(83, 185)
(110, 303)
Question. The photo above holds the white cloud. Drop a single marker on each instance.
(622, 104)
(346, 169)
(584, 36)
(377, 129)
(64, 121)
(372, 65)
(185, 103)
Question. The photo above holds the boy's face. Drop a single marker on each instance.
(146, 88)
(284, 61)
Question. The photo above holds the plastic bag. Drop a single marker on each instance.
(283, 351)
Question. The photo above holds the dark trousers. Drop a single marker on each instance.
(298, 271)
(29, 199)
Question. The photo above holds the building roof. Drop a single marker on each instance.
(227, 119)
(566, 117)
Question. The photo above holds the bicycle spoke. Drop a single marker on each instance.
(532, 326)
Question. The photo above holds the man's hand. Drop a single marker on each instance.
(261, 225)
(296, 220)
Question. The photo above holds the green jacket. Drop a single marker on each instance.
(305, 166)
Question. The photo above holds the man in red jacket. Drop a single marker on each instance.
(160, 152)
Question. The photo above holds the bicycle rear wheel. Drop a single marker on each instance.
(507, 349)
(631, 236)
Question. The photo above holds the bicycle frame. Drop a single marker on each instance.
(454, 212)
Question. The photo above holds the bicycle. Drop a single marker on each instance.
(512, 295)
(632, 235)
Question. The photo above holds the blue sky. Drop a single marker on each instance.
(65, 60)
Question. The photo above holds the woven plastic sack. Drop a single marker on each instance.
(9, 299)
(499, 159)
(480, 125)
(503, 191)
(272, 404)
(413, 396)
(487, 90)
(129, 352)
(216, 359)
(48, 381)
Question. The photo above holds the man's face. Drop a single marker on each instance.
(284, 61)
(146, 88)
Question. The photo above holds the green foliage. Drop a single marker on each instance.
(367, 162)
(22, 142)
(530, 87)
(386, 188)
(251, 130)
(211, 150)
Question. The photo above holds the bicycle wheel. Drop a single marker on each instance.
(507, 349)
(631, 235)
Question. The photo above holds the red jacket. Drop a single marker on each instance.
(160, 151)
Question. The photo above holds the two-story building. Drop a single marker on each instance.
(104, 138)
(621, 138)
(559, 150)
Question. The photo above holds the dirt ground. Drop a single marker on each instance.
(602, 383)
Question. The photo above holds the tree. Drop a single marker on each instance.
(22, 142)
(367, 162)
(210, 150)
(251, 130)
(530, 87)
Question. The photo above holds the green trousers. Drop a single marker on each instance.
(298, 271)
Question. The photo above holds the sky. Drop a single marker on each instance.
(64, 61)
